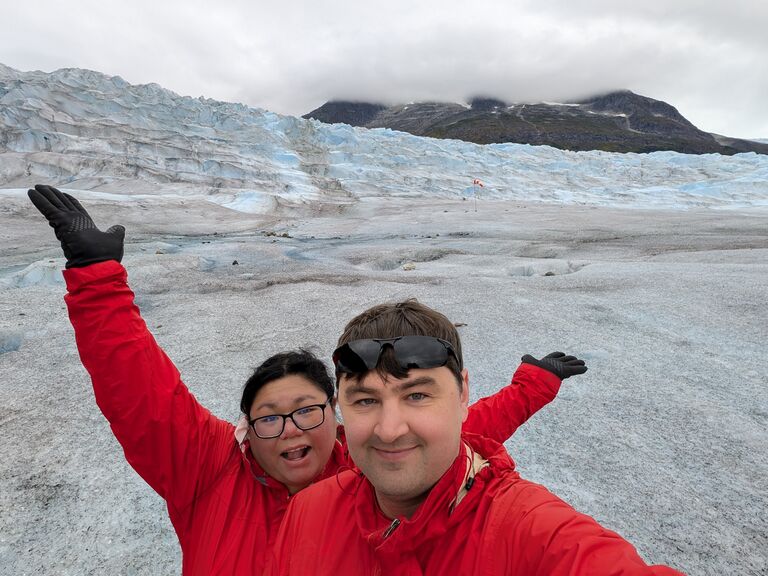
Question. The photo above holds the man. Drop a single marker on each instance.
(428, 499)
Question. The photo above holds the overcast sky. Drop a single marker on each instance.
(705, 57)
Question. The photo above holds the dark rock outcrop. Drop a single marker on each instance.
(342, 112)
(619, 121)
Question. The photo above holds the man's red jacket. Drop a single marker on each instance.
(225, 509)
(497, 525)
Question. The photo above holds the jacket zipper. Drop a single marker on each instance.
(392, 528)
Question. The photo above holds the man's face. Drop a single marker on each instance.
(404, 433)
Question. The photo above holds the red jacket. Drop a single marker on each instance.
(501, 526)
(225, 509)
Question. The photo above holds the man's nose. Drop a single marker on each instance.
(391, 423)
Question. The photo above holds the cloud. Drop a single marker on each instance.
(707, 59)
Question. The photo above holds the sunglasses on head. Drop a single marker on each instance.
(359, 356)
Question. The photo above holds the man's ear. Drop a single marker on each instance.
(464, 398)
(334, 407)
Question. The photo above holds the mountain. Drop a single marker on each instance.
(615, 122)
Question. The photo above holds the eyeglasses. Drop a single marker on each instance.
(304, 418)
(359, 356)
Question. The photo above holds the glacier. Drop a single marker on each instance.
(84, 130)
(249, 233)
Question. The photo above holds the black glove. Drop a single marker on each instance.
(82, 242)
(558, 363)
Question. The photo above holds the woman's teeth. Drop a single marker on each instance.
(296, 454)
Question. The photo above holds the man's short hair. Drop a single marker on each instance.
(407, 318)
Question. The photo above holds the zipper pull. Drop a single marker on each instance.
(392, 528)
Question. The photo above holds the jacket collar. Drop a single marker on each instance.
(449, 501)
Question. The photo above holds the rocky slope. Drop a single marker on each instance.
(616, 122)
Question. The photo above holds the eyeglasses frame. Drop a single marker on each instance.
(290, 415)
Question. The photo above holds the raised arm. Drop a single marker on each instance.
(534, 385)
(175, 444)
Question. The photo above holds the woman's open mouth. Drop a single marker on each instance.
(296, 454)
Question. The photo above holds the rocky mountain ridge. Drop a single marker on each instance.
(620, 121)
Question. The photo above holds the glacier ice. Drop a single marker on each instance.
(84, 130)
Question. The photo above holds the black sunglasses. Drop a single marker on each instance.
(359, 356)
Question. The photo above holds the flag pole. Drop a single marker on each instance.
(476, 185)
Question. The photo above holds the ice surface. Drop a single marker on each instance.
(46, 273)
(664, 439)
(9, 342)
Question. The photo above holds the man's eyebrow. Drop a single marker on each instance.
(358, 388)
(420, 381)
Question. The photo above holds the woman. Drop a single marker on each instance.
(226, 487)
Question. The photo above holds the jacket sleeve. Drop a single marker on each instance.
(174, 443)
(553, 539)
(500, 415)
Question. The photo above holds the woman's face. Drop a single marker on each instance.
(297, 456)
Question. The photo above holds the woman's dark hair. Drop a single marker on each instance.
(300, 362)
